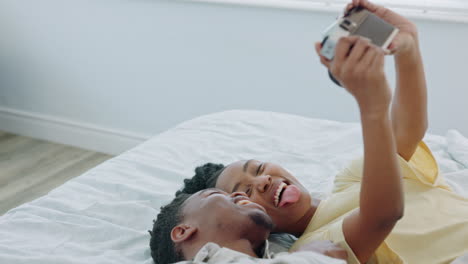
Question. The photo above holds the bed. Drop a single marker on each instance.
(103, 215)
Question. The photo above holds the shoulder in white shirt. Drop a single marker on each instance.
(212, 253)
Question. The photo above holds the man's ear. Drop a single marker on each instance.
(182, 232)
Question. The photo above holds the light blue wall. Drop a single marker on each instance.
(144, 66)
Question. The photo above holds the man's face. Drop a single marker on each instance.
(222, 215)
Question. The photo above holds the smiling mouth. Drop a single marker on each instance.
(245, 202)
(279, 193)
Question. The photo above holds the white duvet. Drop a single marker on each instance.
(103, 215)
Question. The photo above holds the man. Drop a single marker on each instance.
(212, 226)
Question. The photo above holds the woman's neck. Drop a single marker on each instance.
(301, 225)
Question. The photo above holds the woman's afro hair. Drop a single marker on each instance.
(205, 177)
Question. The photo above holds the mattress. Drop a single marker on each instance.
(103, 215)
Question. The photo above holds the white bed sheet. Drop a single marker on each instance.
(103, 215)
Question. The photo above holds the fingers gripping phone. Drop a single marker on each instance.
(361, 22)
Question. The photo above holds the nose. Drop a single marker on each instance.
(262, 183)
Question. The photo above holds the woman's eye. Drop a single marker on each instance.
(260, 167)
(248, 191)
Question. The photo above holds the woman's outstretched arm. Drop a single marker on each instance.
(381, 197)
(409, 107)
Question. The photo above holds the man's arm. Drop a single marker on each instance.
(409, 107)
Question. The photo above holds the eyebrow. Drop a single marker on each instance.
(246, 165)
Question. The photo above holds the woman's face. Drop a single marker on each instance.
(268, 184)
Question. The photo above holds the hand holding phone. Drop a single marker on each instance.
(357, 21)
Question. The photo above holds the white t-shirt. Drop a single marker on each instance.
(212, 253)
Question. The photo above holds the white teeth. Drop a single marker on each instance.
(243, 202)
(278, 191)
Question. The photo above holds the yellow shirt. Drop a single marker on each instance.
(434, 228)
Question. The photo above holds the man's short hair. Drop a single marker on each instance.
(163, 249)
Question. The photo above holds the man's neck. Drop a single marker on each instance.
(243, 246)
(240, 245)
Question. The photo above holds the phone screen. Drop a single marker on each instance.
(375, 29)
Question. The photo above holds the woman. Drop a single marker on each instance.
(386, 208)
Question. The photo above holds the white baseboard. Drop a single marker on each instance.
(449, 13)
(68, 132)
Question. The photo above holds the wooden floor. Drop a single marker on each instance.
(30, 168)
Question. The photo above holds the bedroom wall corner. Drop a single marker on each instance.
(106, 75)
(77, 134)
